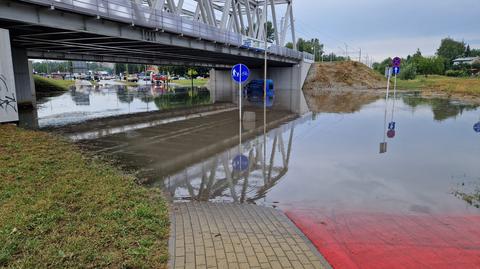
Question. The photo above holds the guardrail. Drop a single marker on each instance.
(127, 11)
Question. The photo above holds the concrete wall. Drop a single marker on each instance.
(24, 83)
(222, 87)
(288, 86)
(8, 104)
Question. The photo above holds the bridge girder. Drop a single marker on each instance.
(238, 16)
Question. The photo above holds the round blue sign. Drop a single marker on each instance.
(240, 163)
(240, 73)
(476, 127)
(396, 70)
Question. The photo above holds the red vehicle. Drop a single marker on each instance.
(157, 79)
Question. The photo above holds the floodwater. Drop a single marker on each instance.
(334, 160)
(372, 183)
(329, 158)
(83, 103)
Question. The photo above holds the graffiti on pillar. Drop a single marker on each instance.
(7, 98)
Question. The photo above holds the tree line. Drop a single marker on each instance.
(440, 64)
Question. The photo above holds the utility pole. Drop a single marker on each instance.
(346, 52)
(360, 55)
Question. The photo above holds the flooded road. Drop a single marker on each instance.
(366, 197)
(328, 158)
(83, 103)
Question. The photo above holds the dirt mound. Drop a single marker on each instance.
(350, 84)
(348, 75)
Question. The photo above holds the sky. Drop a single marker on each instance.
(387, 28)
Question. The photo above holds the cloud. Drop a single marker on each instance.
(384, 28)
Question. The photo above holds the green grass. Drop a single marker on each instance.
(62, 209)
(188, 82)
(448, 85)
(45, 85)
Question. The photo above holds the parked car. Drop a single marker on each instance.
(132, 78)
(157, 78)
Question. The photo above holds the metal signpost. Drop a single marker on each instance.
(240, 74)
(389, 71)
(396, 63)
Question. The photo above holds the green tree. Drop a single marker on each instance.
(312, 46)
(450, 49)
(192, 73)
(380, 67)
(468, 51)
(409, 71)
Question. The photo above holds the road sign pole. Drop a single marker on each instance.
(394, 95)
(240, 112)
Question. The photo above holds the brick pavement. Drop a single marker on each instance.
(208, 235)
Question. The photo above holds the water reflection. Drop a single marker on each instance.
(82, 103)
(218, 179)
(442, 108)
(326, 159)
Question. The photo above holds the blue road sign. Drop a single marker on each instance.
(240, 73)
(476, 127)
(240, 163)
(396, 62)
(391, 126)
(396, 70)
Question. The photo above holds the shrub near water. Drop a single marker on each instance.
(60, 209)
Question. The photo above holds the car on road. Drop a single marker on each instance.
(132, 78)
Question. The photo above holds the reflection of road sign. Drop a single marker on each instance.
(396, 70)
(391, 133)
(396, 62)
(391, 126)
(476, 127)
(383, 148)
(240, 73)
(240, 163)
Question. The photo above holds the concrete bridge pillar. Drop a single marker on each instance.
(8, 99)
(288, 83)
(24, 84)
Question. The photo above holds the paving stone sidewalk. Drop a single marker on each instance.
(208, 235)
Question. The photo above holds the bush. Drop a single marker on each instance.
(456, 73)
(409, 72)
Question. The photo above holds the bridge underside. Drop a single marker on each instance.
(56, 34)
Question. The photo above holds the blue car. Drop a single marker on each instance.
(254, 89)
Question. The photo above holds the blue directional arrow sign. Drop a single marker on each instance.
(476, 127)
(396, 70)
(240, 73)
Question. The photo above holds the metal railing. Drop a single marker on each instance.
(127, 11)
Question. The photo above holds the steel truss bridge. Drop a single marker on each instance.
(216, 33)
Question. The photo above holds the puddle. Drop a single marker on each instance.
(87, 102)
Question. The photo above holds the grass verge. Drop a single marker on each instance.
(443, 84)
(61, 209)
(45, 85)
(188, 82)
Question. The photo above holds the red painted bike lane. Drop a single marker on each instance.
(380, 240)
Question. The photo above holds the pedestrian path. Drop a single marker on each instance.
(208, 235)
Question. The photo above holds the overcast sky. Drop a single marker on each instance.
(388, 28)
